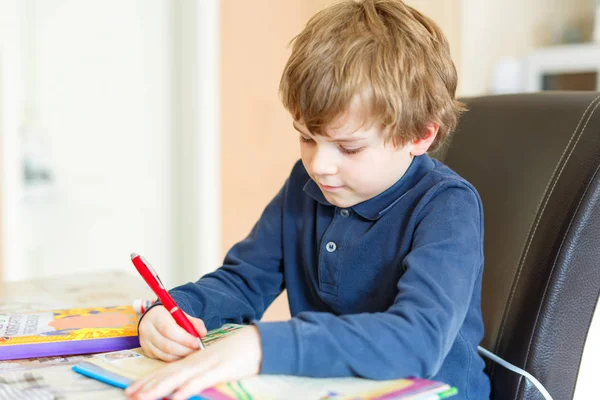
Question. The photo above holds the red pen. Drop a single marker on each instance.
(152, 279)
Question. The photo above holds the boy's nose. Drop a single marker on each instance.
(323, 164)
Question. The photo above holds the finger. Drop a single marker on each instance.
(167, 380)
(144, 390)
(175, 333)
(196, 384)
(168, 346)
(151, 338)
(198, 325)
(137, 385)
(148, 350)
(146, 345)
(161, 355)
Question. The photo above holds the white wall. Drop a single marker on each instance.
(482, 33)
(11, 89)
(494, 30)
(99, 95)
(197, 135)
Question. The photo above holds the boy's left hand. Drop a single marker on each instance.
(234, 357)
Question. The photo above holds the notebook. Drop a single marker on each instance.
(121, 368)
(67, 332)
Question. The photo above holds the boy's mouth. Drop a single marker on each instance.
(328, 188)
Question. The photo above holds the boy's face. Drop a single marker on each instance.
(352, 163)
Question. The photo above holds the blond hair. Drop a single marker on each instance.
(396, 60)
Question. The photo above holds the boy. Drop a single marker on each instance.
(378, 245)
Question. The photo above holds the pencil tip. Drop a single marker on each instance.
(133, 255)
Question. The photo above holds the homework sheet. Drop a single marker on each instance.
(134, 365)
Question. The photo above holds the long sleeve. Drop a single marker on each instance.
(249, 280)
(414, 335)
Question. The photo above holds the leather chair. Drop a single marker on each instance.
(535, 160)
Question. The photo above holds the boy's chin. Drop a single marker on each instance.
(341, 201)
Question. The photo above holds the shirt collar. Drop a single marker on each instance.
(376, 207)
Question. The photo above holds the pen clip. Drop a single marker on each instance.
(152, 271)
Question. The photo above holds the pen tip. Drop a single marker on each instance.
(133, 255)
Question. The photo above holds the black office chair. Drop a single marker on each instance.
(535, 160)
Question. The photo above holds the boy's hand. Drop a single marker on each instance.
(162, 338)
(234, 357)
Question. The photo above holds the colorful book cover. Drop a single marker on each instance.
(67, 332)
(122, 368)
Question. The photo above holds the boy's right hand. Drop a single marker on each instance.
(162, 338)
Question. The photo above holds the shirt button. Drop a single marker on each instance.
(345, 213)
(331, 247)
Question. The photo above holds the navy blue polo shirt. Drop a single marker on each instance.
(388, 288)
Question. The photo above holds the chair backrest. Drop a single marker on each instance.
(535, 160)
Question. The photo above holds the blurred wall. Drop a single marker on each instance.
(259, 145)
(1, 186)
(8, 107)
(496, 29)
(448, 15)
(98, 104)
(3, 24)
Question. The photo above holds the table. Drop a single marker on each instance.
(116, 288)
(52, 377)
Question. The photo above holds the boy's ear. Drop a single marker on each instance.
(420, 146)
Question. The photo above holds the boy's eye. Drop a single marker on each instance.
(351, 151)
(304, 139)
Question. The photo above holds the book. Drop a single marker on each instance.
(122, 368)
(67, 332)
